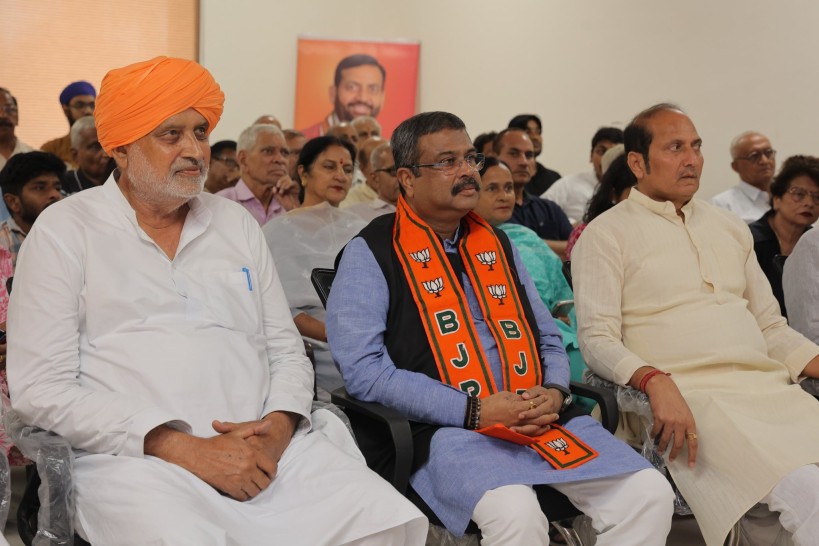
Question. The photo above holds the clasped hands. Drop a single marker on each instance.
(240, 461)
(529, 413)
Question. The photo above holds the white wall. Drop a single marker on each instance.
(733, 65)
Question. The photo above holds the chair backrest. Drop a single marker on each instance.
(322, 280)
(567, 272)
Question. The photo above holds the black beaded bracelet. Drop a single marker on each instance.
(472, 415)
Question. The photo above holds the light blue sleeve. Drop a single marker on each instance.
(356, 322)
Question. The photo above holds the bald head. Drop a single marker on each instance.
(753, 159)
(268, 119)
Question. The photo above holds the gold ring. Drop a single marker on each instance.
(690, 436)
(532, 404)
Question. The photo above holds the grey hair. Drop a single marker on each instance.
(362, 119)
(85, 122)
(406, 136)
(248, 137)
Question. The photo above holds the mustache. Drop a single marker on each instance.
(359, 103)
(183, 164)
(465, 184)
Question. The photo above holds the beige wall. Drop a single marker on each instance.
(733, 64)
(45, 45)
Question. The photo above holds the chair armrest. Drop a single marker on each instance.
(55, 463)
(811, 386)
(606, 401)
(399, 431)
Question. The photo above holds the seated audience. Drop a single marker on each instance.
(365, 190)
(9, 118)
(264, 188)
(13, 454)
(671, 301)
(311, 236)
(485, 143)
(615, 187)
(366, 127)
(495, 206)
(794, 207)
(344, 131)
(150, 331)
(295, 142)
(800, 284)
(572, 193)
(224, 168)
(30, 183)
(542, 178)
(382, 175)
(430, 314)
(513, 147)
(754, 160)
(93, 164)
(77, 100)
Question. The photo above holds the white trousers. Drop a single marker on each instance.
(630, 509)
(796, 498)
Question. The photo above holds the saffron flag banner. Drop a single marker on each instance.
(338, 80)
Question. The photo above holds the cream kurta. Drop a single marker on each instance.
(690, 298)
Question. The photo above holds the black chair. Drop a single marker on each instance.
(371, 419)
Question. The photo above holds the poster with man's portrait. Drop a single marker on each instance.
(338, 80)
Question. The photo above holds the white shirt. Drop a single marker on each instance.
(20, 147)
(801, 286)
(371, 210)
(572, 193)
(112, 338)
(746, 201)
(359, 194)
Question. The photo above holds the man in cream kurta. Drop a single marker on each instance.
(148, 326)
(668, 282)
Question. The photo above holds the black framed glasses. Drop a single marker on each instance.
(452, 164)
(799, 194)
(230, 162)
(392, 171)
(756, 157)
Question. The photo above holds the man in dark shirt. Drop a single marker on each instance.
(514, 147)
(93, 164)
(543, 177)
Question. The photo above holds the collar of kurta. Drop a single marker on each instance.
(663, 208)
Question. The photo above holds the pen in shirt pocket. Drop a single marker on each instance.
(249, 281)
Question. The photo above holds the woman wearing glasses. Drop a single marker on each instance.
(794, 207)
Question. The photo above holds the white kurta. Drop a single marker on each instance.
(573, 193)
(689, 298)
(110, 338)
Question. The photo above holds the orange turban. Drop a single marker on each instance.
(136, 99)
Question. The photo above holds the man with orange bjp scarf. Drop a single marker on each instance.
(151, 330)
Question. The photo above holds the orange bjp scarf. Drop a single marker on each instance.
(452, 335)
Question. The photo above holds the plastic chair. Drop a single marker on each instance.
(368, 416)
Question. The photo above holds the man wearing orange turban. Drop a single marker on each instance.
(156, 338)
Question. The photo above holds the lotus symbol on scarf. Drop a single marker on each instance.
(498, 291)
(487, 258)
(434, 286)
(422, 256)
(559, 445)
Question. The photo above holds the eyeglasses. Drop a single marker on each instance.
(452, 164)
(79, 106)
(9, 109)
(228, 161)
(392, 171)
(799, 194)
(756, 157)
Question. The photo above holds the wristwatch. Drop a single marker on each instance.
(567, 395)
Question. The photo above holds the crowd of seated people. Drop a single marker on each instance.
(328, 200)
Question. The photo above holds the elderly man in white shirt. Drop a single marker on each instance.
(754, 160)
(573, 193)
(148, 326)
(382, 176)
